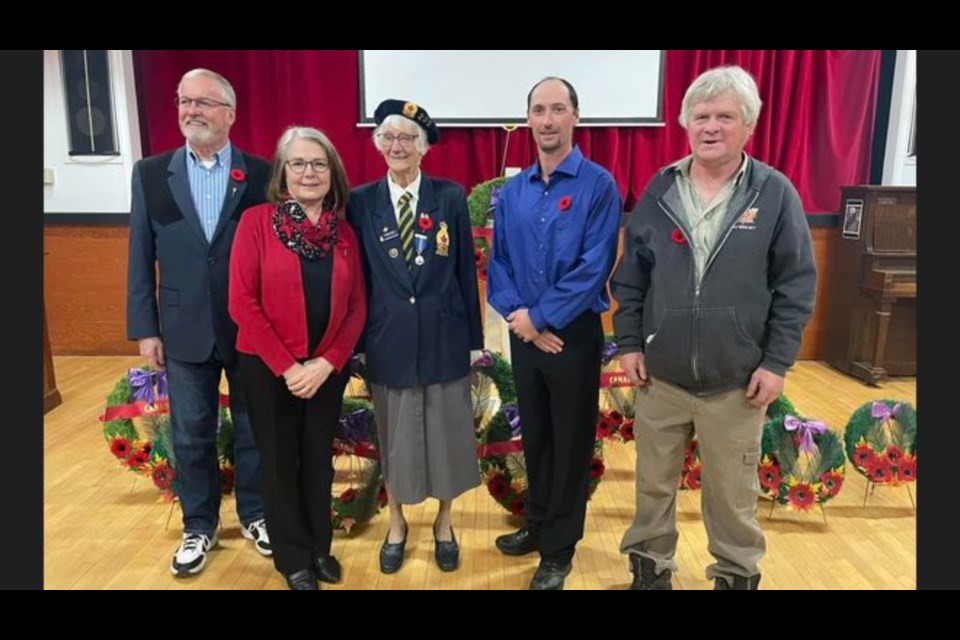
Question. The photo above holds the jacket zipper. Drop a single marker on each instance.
(695, 325)
(696, 298)
(717, 248)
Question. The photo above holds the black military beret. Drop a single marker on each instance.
(411, 111)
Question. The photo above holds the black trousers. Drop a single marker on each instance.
(557, 396)
(295, 438)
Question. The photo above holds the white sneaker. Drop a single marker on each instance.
(257, 531)
(191, 555)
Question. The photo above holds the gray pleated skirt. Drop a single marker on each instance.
(427, 444)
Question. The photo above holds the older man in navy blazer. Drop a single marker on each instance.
(185, 210)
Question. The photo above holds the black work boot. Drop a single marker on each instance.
(739, 583)
(645, 577)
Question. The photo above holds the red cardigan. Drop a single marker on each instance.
(267, 301)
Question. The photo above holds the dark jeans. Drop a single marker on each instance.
(194, 408)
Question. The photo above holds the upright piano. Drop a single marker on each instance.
(871, 289)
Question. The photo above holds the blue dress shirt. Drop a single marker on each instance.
(555, 243)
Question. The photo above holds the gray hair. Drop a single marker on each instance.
(395, 121)
(711, 84)
(229, 95)
(336, 199)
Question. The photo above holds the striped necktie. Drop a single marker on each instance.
(406, 226)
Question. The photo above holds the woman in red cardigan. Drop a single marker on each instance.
(297, 296)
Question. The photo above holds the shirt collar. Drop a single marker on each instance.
(220, 157)
(396, 190)
(569, 166)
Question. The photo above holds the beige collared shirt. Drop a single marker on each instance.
(705, 219)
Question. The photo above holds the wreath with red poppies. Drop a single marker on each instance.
(136, 427)
(481, 202)
(503, 467)
(802, 462)
(691, 475)
(617, 398)
(881, 441)
(357, 445)
(616, 420)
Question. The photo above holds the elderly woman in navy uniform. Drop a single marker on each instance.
(423, 321)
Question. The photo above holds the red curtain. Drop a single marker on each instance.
(816, 124)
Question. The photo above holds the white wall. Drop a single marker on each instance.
(89, 184)
(898, 167)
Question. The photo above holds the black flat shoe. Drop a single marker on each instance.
(391, 553)
(446, 552)
(518, 543)
(303, 580)
(328, 569)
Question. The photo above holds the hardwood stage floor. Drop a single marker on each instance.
(106, 529)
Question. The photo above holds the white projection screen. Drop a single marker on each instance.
(489, 88)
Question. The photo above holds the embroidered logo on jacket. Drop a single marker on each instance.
(748, 219)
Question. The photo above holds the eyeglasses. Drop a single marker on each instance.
(299, 166)
(405, 139)
(204, 104)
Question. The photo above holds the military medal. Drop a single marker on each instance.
(420, 245)
(443, 240)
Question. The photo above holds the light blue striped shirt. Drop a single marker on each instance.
(209, 186)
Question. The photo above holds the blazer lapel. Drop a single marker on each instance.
(427, 204)
(384, 222)
(179, 183)
(235, 191)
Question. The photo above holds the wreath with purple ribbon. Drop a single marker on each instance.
(356, 441)
(136, 427)
(802, 462)
(881, 441)
(691, 476)
(616, 420)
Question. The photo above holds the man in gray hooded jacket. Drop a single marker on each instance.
(715, 286)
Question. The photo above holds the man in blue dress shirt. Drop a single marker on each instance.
(555, 242)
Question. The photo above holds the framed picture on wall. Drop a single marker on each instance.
(852, 218)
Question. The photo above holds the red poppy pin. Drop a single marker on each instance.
(237, 175)
(677, 236)
(565, 203)
(425, 223)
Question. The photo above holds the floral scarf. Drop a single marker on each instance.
(301, 236)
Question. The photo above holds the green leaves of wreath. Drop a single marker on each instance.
(881, 441)
(139, 435)
(502, 464)
(136, 427)
(480, 201)
(801, 462)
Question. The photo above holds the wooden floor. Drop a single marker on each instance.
(104, 528)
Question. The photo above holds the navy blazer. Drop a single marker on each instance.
(191, 317)
(421, 322)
